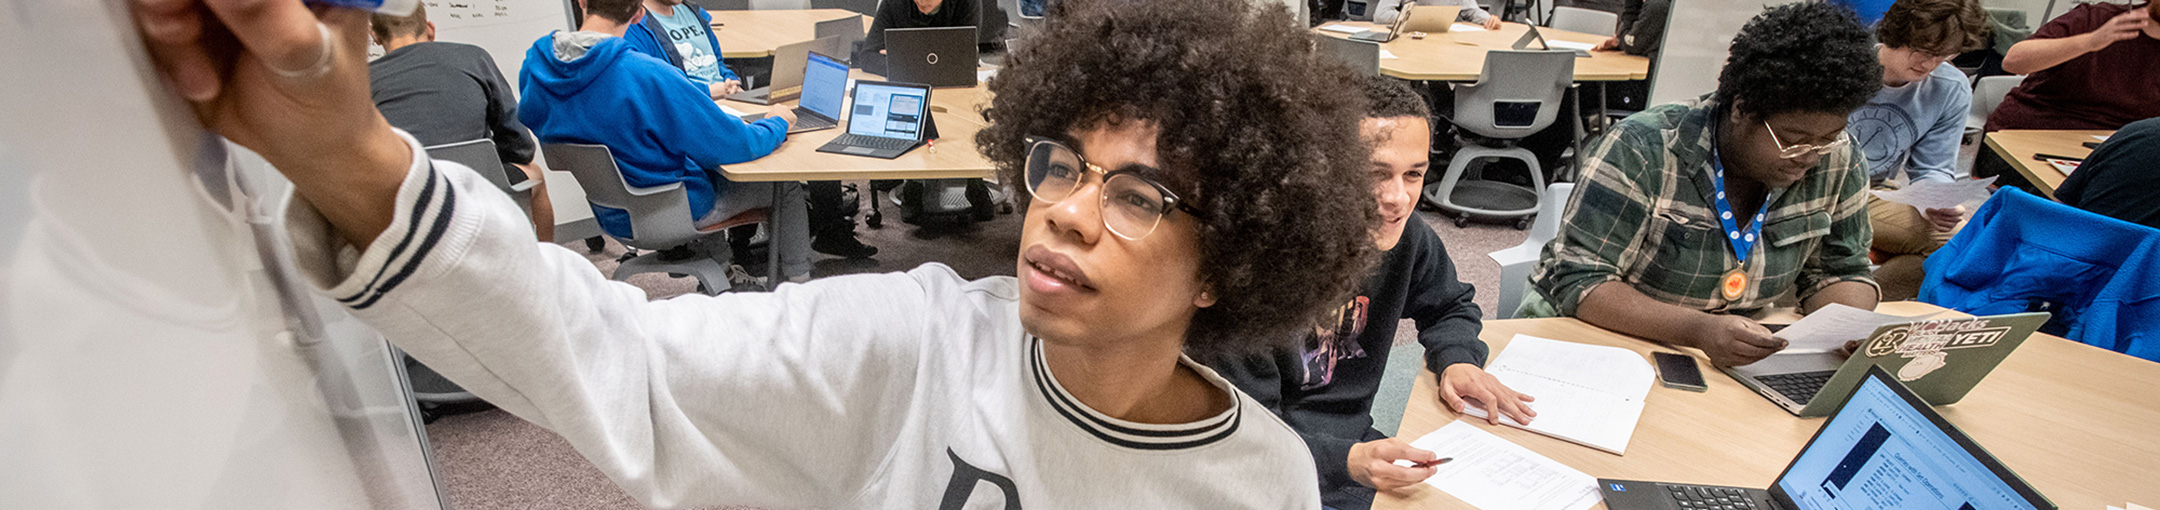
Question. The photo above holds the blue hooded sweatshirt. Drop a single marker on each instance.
(662, 128)
(650, 37)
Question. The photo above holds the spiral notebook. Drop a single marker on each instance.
(1587, 394)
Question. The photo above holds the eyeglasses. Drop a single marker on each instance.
(1131, 205)
(1804, 150)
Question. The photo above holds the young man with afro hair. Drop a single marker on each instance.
(1692, 216)
(1324, 385)
(1194, 187)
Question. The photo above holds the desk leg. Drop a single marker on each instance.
(774, 273)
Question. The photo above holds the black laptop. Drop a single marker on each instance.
(1883, 449)
(938, 57)
(885, 120)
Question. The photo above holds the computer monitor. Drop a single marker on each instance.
(888, 110)
(824, 87)
(1886, 449)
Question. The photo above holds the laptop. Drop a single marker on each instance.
(1532, 35)
(1883, 449)
(1431, 19)
(938, 57)
(824, 93)
(1940, 359)
(787, 71)
(887, 120)
(848, 29)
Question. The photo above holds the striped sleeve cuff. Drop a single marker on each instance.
(356, 278)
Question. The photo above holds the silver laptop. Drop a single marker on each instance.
(824, 93)
(1884, 450)
(886, 119)
(848, 29)
(787, 71)
(1941, 359)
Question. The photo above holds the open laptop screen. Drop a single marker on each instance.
(824, 85)
(888, 111)
(1881, 452)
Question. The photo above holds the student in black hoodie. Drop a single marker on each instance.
(870, 53)
(1325, 389)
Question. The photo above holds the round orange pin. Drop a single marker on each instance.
(1735, 283)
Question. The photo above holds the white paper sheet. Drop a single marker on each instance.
(1830, 327)
(732, 111)
(1588, 394)
(2104, 138)
(1491, 473)
(2135, 506)
(1571, 45)
(1936, 194)
(1341, 28)
(1464, 27)
(1385, 54)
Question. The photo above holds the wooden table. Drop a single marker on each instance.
(2017, 146)
(954, 109)
(1459, 55)
(754, 34)
(2082, 424)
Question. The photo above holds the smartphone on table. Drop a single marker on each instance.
(1679, 371)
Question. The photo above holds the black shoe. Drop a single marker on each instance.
(843, 244)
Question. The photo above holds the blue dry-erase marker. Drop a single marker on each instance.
(390, 7)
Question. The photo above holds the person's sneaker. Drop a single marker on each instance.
(842, 244)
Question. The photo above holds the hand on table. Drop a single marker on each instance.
(1372, 464)
(1464, 380)
(1492, 23)
(1944, 220)
(1610, 44)
(724, 88)
(1732, 340)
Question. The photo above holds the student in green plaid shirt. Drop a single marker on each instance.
(1676, 192)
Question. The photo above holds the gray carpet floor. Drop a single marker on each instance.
(491, 460)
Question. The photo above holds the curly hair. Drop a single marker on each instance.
(1936, 26)
(1255, 128)
(1800, 57)
(1388, 97)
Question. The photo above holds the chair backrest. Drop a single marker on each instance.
(778, 5)
(1547, 225)
(1577, 19)
(1361, 56)
(1518, 93)
(725, 5)
(1515, 262)
(1988, 94)
(864, 7)
(659, 217)
(479, 155)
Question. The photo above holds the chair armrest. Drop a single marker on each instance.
(523, 186)
(652, 190)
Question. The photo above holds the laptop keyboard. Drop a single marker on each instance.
(1800, 387)
(874, 142)
(1692, 497)
(805, 121)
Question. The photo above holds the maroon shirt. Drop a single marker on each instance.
(2104, 89)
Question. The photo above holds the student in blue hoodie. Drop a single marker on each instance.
(680, 32)
(589, 86)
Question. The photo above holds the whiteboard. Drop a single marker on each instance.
(1687, 65)
(154, 350)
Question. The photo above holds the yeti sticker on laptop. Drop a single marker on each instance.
(1924, 342)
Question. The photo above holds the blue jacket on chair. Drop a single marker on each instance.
(2100, 276)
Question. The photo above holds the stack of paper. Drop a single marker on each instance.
(1341, 28)
(1466, 27)
(1934, 194)
(1588, 394)
(1830, 327)
(1571, 45)
(1490, 472)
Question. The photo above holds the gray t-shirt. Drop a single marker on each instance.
(1915, 128)
(446, 93)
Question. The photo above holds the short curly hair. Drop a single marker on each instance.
(1800, 57)
(1936, 26)
(1388, 97)
(1255, 129)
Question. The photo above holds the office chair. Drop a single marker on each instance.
(1577, 19)
(480, 155)
(864, 7)
(659, 220)
(1515, 263)
(1361, 56)
(1517, 94)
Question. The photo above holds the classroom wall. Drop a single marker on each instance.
(154, 351)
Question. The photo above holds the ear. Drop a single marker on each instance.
(430, 31)
(1205, 299)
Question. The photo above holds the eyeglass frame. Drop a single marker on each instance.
(1171, 200)
(1799, 150)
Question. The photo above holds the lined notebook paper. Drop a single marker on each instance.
(1493, 474)
(1588, 394)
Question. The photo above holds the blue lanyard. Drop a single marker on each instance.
(1743, 242)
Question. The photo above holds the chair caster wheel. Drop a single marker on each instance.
(1462, 221)
(595, 244)
(1522, 224)
(875, 221)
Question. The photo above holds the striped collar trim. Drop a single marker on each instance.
(1140, 436)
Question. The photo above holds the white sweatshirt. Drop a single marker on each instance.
(902, 390)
